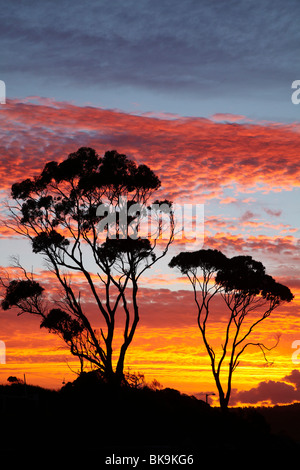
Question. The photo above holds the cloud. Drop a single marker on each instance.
(220, 47)
(293, 378)
(273, 213)
(247, 216)
(228, 200)
(288, 245)
(195, 158)
(193, 152)
(286, 390)
(229, 117)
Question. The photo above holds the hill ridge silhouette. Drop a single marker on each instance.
(123, 419)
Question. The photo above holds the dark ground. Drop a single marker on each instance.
(89, 415)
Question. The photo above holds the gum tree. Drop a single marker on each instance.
(58, 211)
(249, 297)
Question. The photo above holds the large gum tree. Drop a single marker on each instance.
(58, 211)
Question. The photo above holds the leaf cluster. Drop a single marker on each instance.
(88, 172)
(240, 274)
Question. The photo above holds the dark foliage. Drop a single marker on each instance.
(19, 290)
(90, 172)
(239, 273)
(205, 259)
(244, 274)
(58, 321)
(111, 249)
(45, 240)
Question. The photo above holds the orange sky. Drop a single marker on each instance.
(246, 173)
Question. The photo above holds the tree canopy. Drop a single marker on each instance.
(240, 274)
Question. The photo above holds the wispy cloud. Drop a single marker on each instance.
(273, 213)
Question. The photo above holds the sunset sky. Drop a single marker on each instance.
(201, 92)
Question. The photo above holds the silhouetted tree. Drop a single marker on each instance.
(58, 211)
(250, 296)
(14, 380)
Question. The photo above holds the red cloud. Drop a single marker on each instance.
(288, 244)
(229, 117)
(194, 157)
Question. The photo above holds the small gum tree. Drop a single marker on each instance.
(58, 211)
(249, 297)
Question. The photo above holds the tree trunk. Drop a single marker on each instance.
(120, 366)
(224, 403)
(223, 399)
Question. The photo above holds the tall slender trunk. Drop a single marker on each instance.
(129, 331)
(109, 373)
